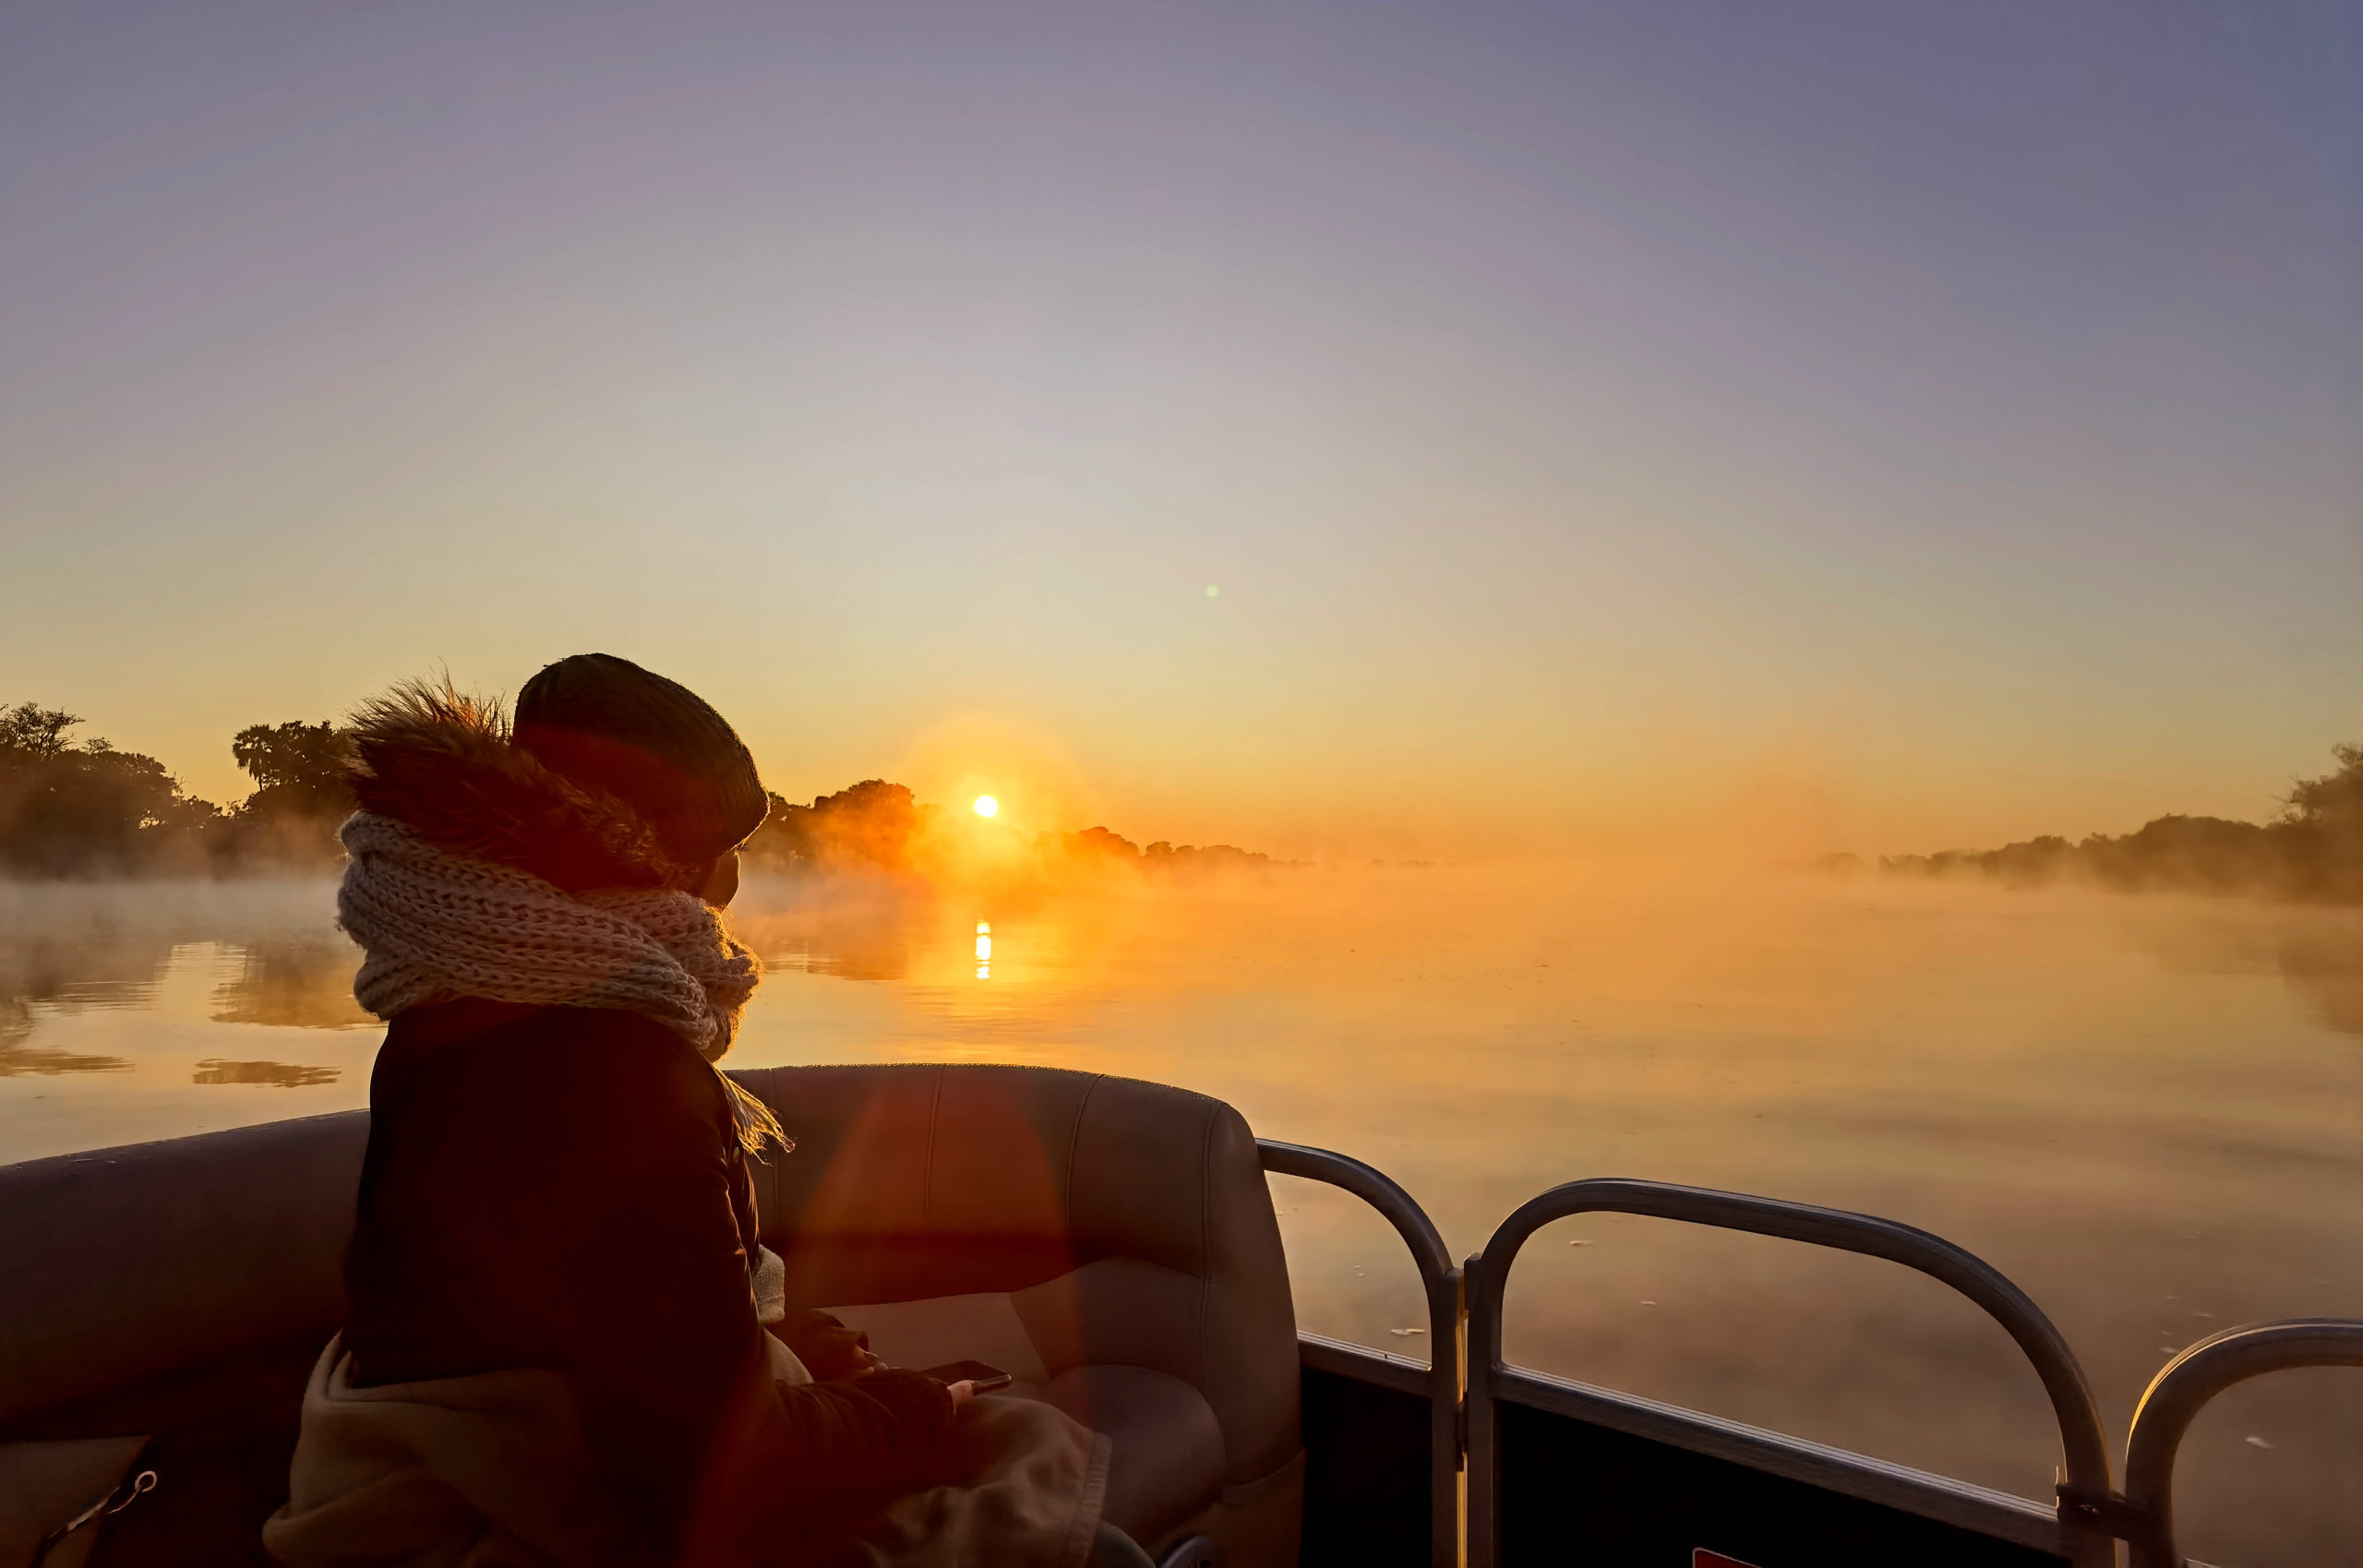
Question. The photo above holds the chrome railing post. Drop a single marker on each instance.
(2186, 1383)
(1440, 1283)
(1481, 1293)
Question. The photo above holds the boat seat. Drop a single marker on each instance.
(1168, 1461)
(177, 1290)
(182, 1289)
(1110, 1242)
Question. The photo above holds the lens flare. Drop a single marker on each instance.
(987, 806)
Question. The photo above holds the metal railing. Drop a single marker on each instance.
(2085, 1449)
(1467, 1379)
(2186, 1383)
(1440, 1282)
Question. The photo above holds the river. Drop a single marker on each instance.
(2146, 1110)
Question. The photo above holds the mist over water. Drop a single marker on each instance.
(2146, 1110)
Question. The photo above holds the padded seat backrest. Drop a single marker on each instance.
(1134, 1218)
(1137, 1213)
(128, 1265)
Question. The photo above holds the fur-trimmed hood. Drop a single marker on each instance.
(445, 765)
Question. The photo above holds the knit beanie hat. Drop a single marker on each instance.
(606, 722)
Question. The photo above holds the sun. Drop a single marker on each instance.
(987, 806)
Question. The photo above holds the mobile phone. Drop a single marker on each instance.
(986, 1378)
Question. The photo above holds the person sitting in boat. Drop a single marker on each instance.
(556, 1346)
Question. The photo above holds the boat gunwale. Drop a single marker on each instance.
(2005, 1517)
(1965, 1504)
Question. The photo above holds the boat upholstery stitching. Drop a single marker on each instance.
(926, 1181)
(1074, 1149)
(1205, 1236)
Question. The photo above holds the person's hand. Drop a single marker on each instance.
(826, 1347)
(961, 1391)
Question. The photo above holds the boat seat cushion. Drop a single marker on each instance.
(1131, 1222)
(1168, 1457)
(1165, 1464)
(159, 1261)
(984, 1327)
(1126, 1227)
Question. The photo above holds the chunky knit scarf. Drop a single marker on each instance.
(433, 925)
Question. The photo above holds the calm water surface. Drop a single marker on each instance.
(2149, 1112)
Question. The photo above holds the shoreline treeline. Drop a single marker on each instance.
(81, 809)
(882, 826)
(2312, 850)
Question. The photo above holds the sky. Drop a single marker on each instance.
(1445, 427)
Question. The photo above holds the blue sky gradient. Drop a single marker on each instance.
(1941, 422)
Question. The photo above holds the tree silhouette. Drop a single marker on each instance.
(298, 769)
(67, 809)
(2313, 850)
(872, 823)
(34, 734)
(2335, 801)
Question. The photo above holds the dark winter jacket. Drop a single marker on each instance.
(561, 1188)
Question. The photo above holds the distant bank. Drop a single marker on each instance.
(82, 808)
(2313, 850)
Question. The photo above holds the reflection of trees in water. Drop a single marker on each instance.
(2317, 953)
(302, 982)
(97, 965)
(2328, 973)
(278, 1074)
(17, 1058)
(854, 927)
(69, 947)
(863, 944)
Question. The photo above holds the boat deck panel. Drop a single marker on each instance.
(1574, 1491)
